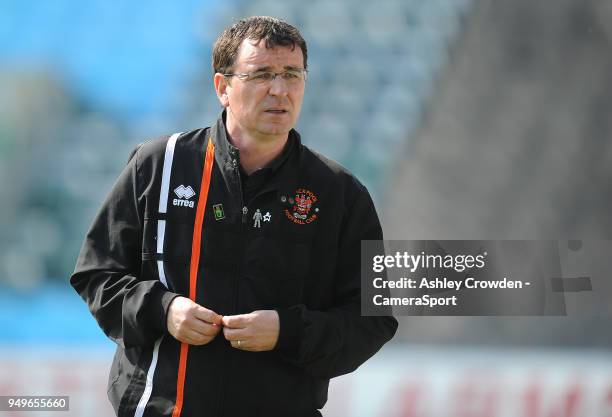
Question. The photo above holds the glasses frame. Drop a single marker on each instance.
(252, 76)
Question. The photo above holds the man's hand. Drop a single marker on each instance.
(191, 323)
(256, 331)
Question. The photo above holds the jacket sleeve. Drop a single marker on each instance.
(337, 341)
(130, 310)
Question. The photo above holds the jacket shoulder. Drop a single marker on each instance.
(327, 170)
(155, 148)
(150, 148)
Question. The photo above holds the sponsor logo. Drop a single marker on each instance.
(184, 195)
(302, 210)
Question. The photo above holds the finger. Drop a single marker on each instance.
(204, 328)
(239, 344)
(236, 322)
(207, 315)
(204, 314)
(235, 334)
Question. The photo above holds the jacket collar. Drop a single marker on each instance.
(225, 152)
(286, 166)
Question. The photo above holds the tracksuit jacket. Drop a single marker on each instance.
(175, 223)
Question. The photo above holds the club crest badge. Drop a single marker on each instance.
(302, 210)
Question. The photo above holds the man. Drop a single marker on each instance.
(225, 260)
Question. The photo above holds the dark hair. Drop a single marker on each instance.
(273, 31)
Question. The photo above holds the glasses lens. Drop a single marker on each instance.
(262, 77)
(292, 75)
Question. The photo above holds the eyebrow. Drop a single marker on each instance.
(269, 68)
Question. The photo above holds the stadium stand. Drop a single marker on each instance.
(98, 78)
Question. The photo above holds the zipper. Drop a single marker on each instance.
(235, 277)
(243, 221)
(227, 359)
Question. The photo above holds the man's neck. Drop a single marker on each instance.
(255, 152)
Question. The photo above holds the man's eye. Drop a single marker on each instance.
(290, 75)
(263, 76)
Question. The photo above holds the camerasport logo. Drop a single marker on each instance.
(184, 195)
(302, 207)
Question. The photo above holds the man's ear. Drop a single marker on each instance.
(221, 86)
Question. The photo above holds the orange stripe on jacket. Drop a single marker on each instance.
(196, 245)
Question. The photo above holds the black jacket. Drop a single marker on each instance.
(302, 260)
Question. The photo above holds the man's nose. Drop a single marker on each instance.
(278, 86)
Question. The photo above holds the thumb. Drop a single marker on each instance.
(207, 315)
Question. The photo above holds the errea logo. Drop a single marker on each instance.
(184, 194)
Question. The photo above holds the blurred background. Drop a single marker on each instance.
(466, 119)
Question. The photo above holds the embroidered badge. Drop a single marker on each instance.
(219, 213)
(267, 217)
(302, 205)
(257, 217)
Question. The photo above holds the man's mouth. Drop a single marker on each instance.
(276, 111)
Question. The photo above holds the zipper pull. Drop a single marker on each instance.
(245, 210)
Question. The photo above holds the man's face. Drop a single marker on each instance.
(263, 110)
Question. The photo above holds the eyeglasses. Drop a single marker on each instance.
(291, 76)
